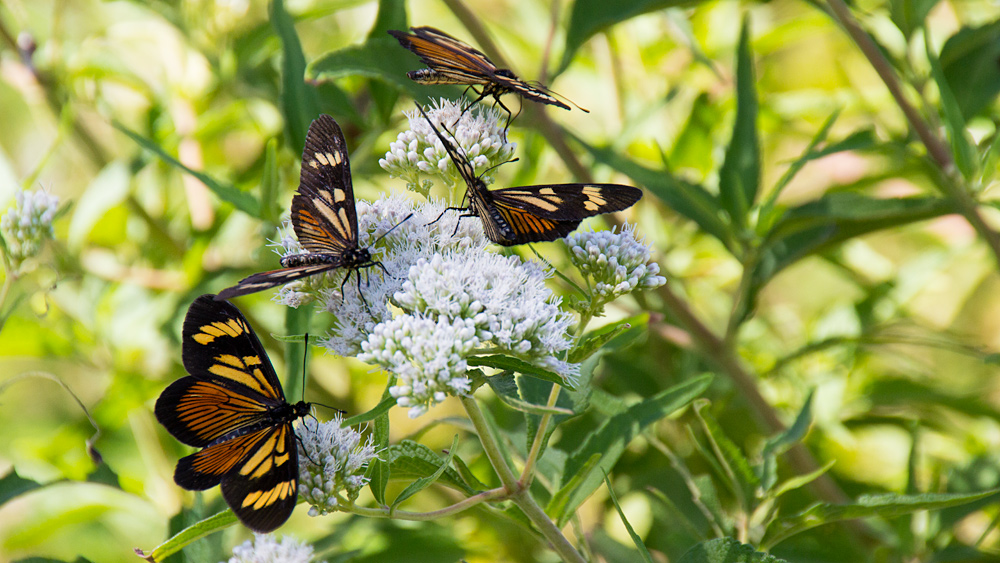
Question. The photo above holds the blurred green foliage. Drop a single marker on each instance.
(831, 261)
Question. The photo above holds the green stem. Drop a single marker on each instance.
(518, 494)
(536, 445)
(491, 495)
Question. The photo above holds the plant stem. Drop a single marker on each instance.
(493, 494)
(936, 148)
(518, 495)
(536, 445)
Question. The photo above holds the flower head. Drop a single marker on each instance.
(332, 464)
(264, 548)
(28, 223)
(616, 262)
(419, 150)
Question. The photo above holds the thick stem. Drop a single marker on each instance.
(518, 495)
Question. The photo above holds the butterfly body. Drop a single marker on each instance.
(540, 213)
(232, 406)
(451, 61)
(324, 215)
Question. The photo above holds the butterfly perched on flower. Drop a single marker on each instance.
(454, 62)
(533, 213)
(232, 406)
(323, 215)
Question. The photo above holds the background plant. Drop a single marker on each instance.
(825, 230)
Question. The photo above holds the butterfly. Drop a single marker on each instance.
(534, 213)
(454, 62)
(233, 407)
(323, 215)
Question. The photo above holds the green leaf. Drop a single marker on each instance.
(559, 503)
(378, 472)
(742, 480)
(13, 485)
(969, 64)
(962, 147)
(381, 58)
(782, 442)
(726, 550)
(835, 218)
(589, 17)
(631, 531)
(468, 476)
(883, 506)
(801, 480)
(909, 15)
(299, 102)
(226, 192)
(690, 200)
(270, 184)
(424, 482)
(411, 459)
(614, 434)
(596, 339)
(506, 390)
(296, 322)
(383, 406)
(193, 533)
(739, 177)
(508, 363)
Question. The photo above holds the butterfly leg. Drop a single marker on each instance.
(306, 452)
(459, 222)
(446, 209)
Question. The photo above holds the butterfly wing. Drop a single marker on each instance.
(568, 202)
(263, 280)
(450, 60)
(263, 488)
(323, 211)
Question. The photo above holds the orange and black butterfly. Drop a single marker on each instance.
(534, 213)
(454, 62)
(232, 406)
(323, 215)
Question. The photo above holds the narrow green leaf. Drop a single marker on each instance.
(378, 472)
(631, 531)
(506, 390)
(383, 406)
(837, 217)
(411, 459)
(883, 506)
(614, 434)
(424, 482)
(743, 481)
(594, 340)
(726, 550)
(508, 363)
(559, 503)
(689, 200)
(589, 17)
(801, 480)
(962, 148)
(296, 322)
(782, 442)
(238, 198)
(381, 58)
(270, 184)
(468, 476)
(13, 485)
(969, 63)
(739, 177)
(193, 533)
(299, 102)
(909, 15)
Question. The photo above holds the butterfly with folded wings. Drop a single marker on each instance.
(451, 61)
(533, 213)
(324, 216)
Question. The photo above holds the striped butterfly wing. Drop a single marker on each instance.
(263, 488)
(324, 215)
(568, 202)
(451, 61)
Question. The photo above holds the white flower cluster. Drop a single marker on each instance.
(28, 223)
(266, 549)
(463, 301)
(419, 150)
(340, 461)
(616, 262)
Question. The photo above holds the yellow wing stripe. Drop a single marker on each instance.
(260, 499)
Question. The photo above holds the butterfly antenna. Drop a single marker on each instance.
(405, 219)
(305, 352)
